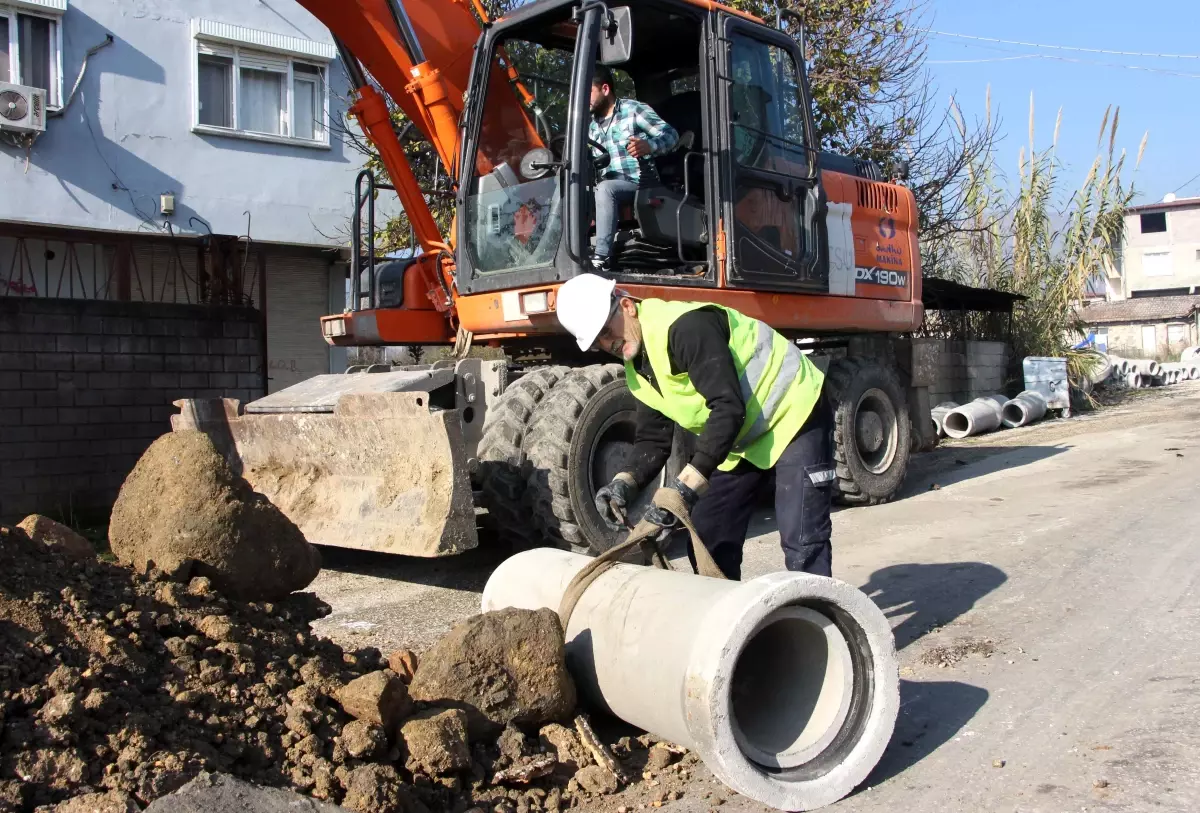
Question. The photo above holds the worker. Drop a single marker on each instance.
(755, 401)
(631, 133)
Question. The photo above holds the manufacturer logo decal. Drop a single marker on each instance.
(882, 276)
(887, 227)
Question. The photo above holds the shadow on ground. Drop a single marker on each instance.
(931, 595)
(464, 571)
(931, 714)
(950, 465)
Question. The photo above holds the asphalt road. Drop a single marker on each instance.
(1042, 586)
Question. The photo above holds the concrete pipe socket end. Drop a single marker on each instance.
(975, 418)
(1026, 408)
(786, 686)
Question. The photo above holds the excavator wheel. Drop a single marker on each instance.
(502, 457)
(871, 430)
(579, 439)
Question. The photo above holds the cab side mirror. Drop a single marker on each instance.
(616, 36)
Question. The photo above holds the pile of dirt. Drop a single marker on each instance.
(118, 688)
(184, 511)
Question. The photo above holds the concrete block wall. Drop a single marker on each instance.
(85, 386)
(968, 370)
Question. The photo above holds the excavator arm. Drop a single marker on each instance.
(419, 52)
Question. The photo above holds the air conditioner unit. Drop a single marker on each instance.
(22, 109)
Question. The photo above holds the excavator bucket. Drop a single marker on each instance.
(361, 460)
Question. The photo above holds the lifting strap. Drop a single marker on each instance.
(644, 534)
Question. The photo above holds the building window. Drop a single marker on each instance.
(1156, 264)
(1177, 335)
(30, 51)
(1154, 222)
(252, 91)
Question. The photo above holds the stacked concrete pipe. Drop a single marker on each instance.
(979, 416)
(938, 413)
(786, 686)
(1025, 409)
(1146, 367)
(1133, 380)
(1190, 354)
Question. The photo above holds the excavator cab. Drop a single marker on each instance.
(730, 87)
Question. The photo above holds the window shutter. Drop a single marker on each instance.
(214, 49)
(263, 62)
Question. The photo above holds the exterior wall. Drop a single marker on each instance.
(126, 137)
(1127, 340)
(1181, 239)
(85, 386)
(968, 370)
(294, 287)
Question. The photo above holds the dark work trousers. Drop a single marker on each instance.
(804, 478)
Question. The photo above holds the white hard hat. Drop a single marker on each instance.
(584, 305)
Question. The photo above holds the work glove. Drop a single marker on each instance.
(690, 484)
(613, 500)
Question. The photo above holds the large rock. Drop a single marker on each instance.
(379, 697)
(363, 740)
(377, 789)
(436, 742)
(184, 510)
(500, 667)
(219, 793)
(57, 537)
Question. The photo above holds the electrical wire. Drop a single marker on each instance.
(1075, 60)
(1058, 47)
(1187, 183)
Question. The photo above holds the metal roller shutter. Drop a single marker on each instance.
(297, 298)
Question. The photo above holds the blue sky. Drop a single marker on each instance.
(1162, 103)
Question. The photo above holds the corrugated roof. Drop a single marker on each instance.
(1146, 309)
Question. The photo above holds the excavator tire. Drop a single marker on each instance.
(502, 458)
(871, 430)
(579, 439)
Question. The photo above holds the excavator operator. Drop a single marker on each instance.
(755, 401)
(631, 132)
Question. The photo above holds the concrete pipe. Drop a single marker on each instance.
(938, 413)
(786, 686)
(996, 401)
(1133, 380)
(979, 416)
(1193, 372)
(1147, 367)
(1102, 370)
(1190, 354)
(1025, 409)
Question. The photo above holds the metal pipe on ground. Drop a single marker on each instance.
(786, 686)
(1026, 408)
(979, 416)
(938, 413)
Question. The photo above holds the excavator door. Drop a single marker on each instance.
(773, 197)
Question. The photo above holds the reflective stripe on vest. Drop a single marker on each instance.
(779, 385)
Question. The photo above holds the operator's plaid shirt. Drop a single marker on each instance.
(631, 119)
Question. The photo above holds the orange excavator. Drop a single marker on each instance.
(747, 211)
